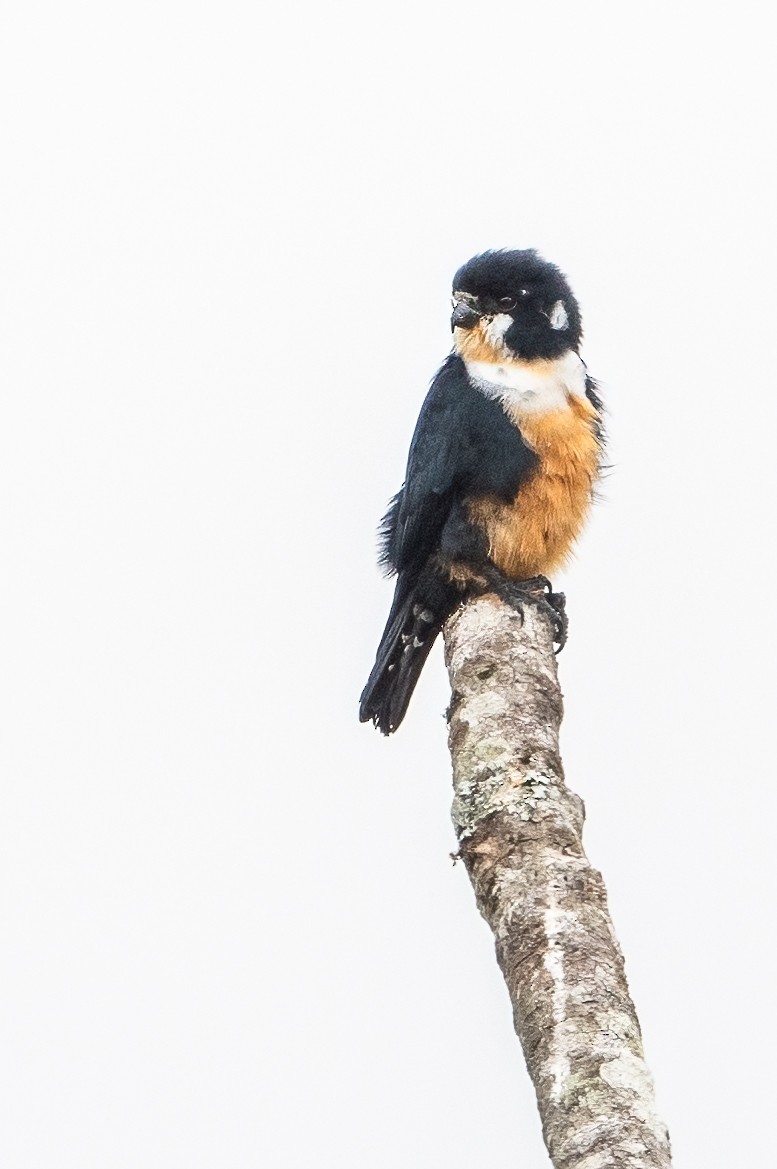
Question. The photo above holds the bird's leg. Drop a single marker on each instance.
(536, 591)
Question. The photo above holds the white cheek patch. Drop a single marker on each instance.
(496, 328)
(558, 316)
(500, 324)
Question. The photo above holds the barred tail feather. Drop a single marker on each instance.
(409, 635)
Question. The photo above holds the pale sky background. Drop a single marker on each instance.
(231, 933)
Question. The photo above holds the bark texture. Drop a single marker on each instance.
(520, 836)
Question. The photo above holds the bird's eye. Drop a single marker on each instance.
(506, 303)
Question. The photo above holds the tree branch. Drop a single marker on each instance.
(520, 836)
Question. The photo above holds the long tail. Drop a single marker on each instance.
(417, 616)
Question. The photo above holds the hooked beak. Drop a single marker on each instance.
(464, 316)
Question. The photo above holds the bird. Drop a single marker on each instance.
(502, 468)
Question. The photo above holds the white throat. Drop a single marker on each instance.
(530, 387)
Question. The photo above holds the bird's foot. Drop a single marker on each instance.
(536, 591)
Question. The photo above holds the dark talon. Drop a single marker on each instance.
(536, 582)
(536, 591)
(557, 603)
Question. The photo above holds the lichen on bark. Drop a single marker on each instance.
(519, 829)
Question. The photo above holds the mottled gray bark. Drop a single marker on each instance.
(519, 829)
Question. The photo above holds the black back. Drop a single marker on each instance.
(464, 444)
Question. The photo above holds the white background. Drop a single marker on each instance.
(231, 933)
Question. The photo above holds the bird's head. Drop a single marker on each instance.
(513, 304)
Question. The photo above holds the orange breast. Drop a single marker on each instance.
(534, 533)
